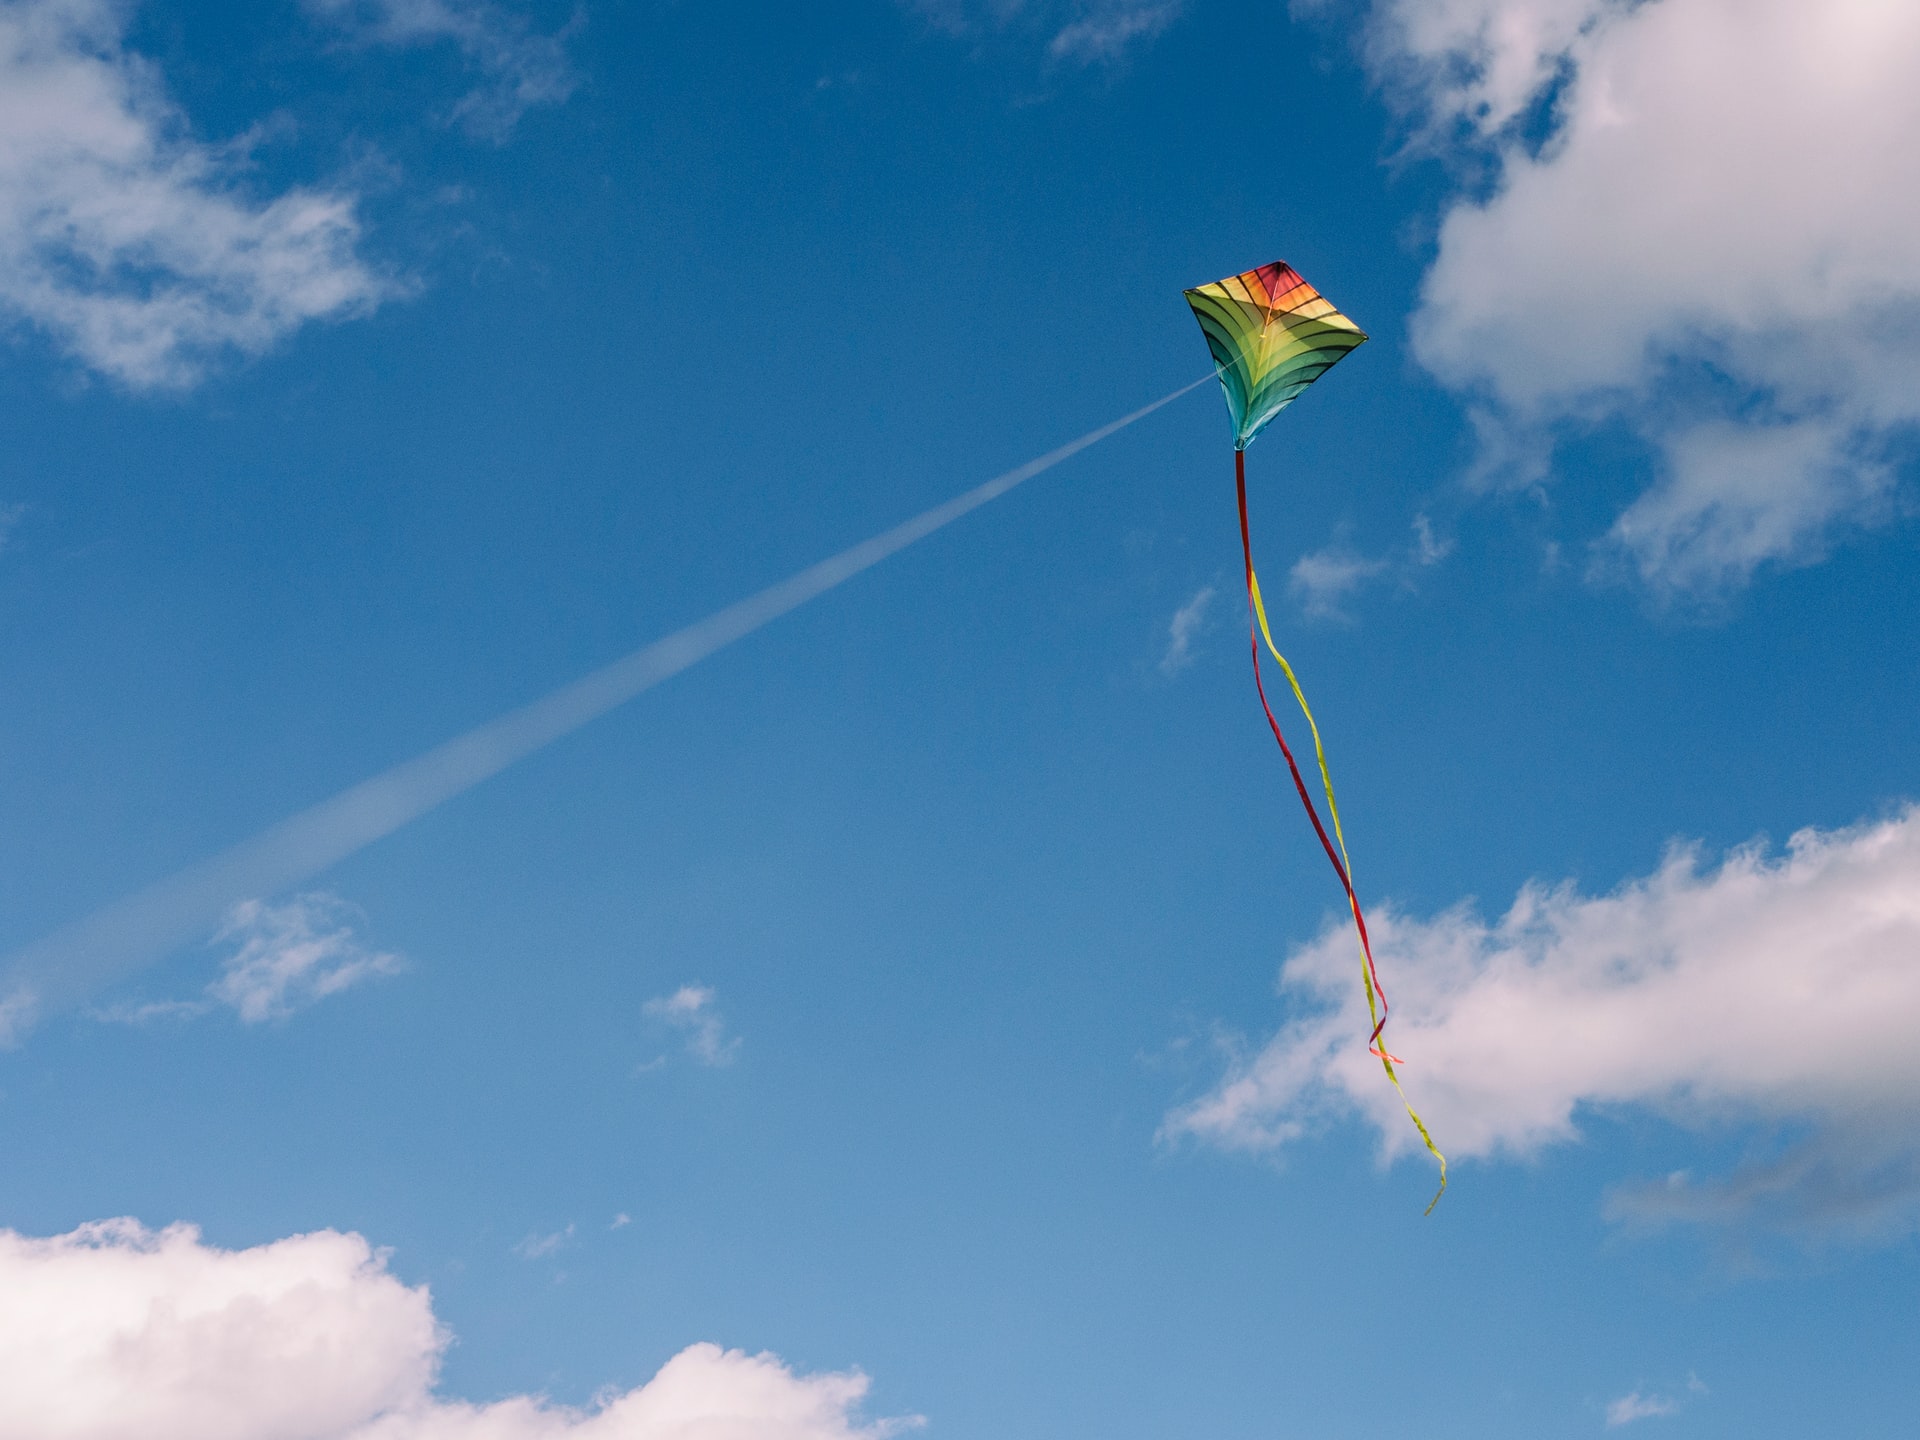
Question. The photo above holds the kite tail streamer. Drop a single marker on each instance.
(1342, 866)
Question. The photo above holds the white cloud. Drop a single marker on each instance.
(18, 1011)
(285, 958)
(1078, 32)
(691, 1010)
(1704, 219)
(1109, 29)
(1428, 548)
(116, 1332)
(130, 244)
(1636, 1406)
(288, 956)
(539, 1247)
(1324, 580)
(1782, 991)
(149, 1011)
(1643, 1405)
(1186, 623)
(523, 67)
(1736, 495)
(1476, 65)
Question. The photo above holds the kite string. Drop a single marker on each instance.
(1342, 865)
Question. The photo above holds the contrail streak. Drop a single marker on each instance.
(80, 959)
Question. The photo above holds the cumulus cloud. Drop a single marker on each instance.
(114, 1330)
(1475, 66)
(523, 68)
(1702, 218)
(117, 1332)
(1777, 990)
(691, 1010)
(1186, 623)
(134, 247)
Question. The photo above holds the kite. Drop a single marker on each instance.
(1272, 335)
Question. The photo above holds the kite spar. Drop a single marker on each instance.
(1272, 335)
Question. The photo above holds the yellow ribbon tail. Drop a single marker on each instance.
(1366, 958)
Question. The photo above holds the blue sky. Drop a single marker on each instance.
(940, 985)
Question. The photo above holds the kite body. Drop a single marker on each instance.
(1272, 335)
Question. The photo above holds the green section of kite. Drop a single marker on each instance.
(1272, 335)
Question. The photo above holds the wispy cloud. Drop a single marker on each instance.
(1619, 258)
(691, 1011)
(283, 959)
(1429, 548)
(1629, 1408)
(289, 956)
(1111, 29)
(115, 1329)
(539, 1247)
(10, 517)
(523, 68)
(1187, 622)
(147, 1012)
(1778, 992)
(1734, 495)
(1070, 32)
(137, 249)
(1324, 580)
(1651, 1405)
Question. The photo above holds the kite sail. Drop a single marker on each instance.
(1272, 335)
